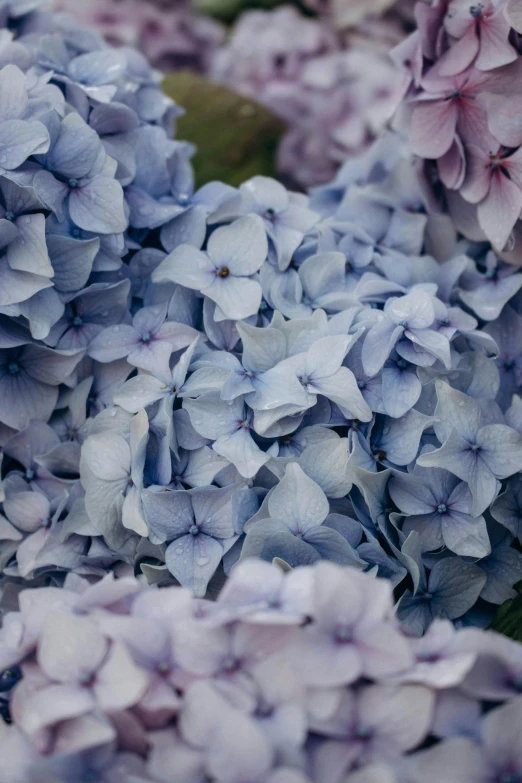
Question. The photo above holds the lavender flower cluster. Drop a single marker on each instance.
(170, 34)
(286, 678)
(336, 94)
(463, 112)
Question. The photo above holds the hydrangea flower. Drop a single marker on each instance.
(478, 454)
(292, 528)
(335, 96)
(283, 675)
(465, 116)
(198, 525)
(225, 271)
(345, 393)
(171, 35)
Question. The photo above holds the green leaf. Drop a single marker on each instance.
(508, 620)
(236, 137)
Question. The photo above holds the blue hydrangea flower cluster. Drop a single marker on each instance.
(193, 378)
(331, 378)
(304, 677)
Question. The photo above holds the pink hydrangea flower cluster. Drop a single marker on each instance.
(350, 14)
(168, 32)
(463, 113)
(286, 678)
(335, 94)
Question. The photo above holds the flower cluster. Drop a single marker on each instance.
(464, 113)
(262, 375)
(335, 96)
(242, 372)
(170, 34)
(306, 383)
(286, 678)
(358, 13)
(89, 175)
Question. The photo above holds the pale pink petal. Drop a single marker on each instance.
(495, 49)
(513, 13)
(464, 216)
(432, 128)
(500, 210)
(452, 166)
(460, 55)
(34, 709)
(70, 646)
(472, 123)
(513, 164)
(478, 175)
(119, 683)
(505, 118)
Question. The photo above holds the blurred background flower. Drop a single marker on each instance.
(321, 67)
(168, 32)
